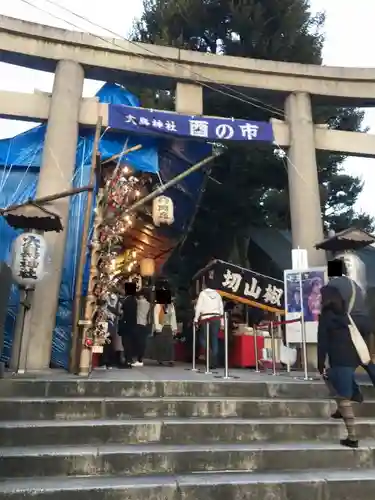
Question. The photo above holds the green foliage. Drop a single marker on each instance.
(251, 184)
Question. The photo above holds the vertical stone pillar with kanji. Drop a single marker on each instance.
(189, 98)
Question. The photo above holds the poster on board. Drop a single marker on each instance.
(305, 300)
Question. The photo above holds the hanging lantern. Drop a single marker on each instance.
(28, 259)
(162, 211)
(147, 267)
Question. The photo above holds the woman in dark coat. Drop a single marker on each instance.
(110, 357)
(335, 343)
(128, 324)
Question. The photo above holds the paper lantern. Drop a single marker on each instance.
(147, 267)
(28, 259)
(162, 211)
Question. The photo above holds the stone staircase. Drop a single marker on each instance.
(122, 440)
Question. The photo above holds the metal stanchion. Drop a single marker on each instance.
(194, 363)
(273, 344)
(255, 334)
(208, 371)
(281, 339)
(279, 329)
(304, 351)
(226, 347)
(226, 351)
(304, 354)
(303, 335)
(279, 335)
(288, 368)
(194, 368)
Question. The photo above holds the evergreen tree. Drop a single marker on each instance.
(250, 186)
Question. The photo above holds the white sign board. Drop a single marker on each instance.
(299, 259)
(303, 297)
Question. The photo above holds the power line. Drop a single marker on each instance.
(252, 100)
(235, 94)
(240, 96)
(87, 20)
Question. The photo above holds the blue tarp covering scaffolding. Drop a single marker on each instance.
(20, 160)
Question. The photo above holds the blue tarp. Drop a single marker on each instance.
(25, 150)
(20, 159)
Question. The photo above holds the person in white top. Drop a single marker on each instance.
(209, 313)
(165, 327)
(142, 330)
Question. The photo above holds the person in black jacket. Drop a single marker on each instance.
(112, 307)
(335, 343)
(128, 323)
(338, 278)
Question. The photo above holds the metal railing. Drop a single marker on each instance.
(269, 327)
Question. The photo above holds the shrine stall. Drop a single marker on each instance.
(256, 297)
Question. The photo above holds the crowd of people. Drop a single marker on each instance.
(137, 328)
(131, 320)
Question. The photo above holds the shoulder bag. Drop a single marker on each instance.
(357, 339)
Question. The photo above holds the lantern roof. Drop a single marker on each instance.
(150, 242)
(33, 216)
(349, 239)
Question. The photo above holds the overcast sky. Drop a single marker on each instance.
(350, 41)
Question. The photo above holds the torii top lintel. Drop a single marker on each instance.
(106, 59)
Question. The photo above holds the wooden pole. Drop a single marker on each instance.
(172, 182)
(85, 358)
(47, 199)
(118, 155)
(82, 256)
(90, 301)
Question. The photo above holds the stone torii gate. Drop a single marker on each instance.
(72, 56)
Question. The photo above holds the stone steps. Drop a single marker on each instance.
(137, 460)
(175, 431)
(126, 408)
(318, 484)
(280, 388)
(76, 439)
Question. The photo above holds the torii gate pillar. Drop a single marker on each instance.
(304, 194)
(56, 175)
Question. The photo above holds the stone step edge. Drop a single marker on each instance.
(261, 378)
(56, 484)
(148, 377)
(27, 452)
(76, 386)
(280, 381)
(167, 399)
(17, 424)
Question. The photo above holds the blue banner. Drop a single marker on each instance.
(149, 121)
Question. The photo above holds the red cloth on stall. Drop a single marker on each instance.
(242, 353)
